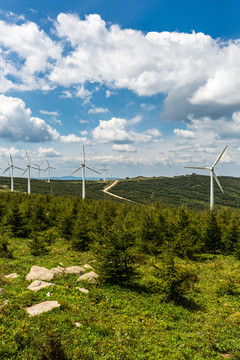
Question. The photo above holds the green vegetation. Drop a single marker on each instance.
(191, 191)
(169, 281)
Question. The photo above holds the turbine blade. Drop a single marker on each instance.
(76, 170)
(7, 169)
(83, 154)
(16, 167)
(217, 181)
(11, 159)
(197, 167)
(93, 170)
(219, 157)
(24, 171)
(28, 158)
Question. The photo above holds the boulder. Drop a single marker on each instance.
(90, 275)
(39, 273)
(83, 290)
(38, 285)
(87, 266)
(57, 270)
(1, 290)
(42, 307)
(75, 270)
(11, 276)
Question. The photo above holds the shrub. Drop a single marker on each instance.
(4, 251)
(115, 253)
(38, 246)
(175, 281)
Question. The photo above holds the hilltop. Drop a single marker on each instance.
(188, 190)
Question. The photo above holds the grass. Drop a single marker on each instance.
(116, 322)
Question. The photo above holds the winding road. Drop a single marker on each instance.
(111, 194)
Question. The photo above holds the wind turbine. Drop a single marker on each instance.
(171, 165)
(105, 171)
(28, 167)
(212, 175)
(39, 169)
(10, 168)
(83, 165)
(48, 168)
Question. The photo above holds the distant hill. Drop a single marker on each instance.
(189, 190)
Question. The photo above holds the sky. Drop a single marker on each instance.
(147, 86)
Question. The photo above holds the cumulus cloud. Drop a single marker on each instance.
(123, 148)
(115, 131)
(185, 134)
(98, 110)
(33, 51)
(17, 124)
(73, 139)
(48, 152)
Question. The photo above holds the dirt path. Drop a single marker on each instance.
(111, 194)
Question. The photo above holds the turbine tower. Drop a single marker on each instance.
(83, 165)
(28, 167)
(10, 168)
(104, 171)
(212, 175)
(48, 168)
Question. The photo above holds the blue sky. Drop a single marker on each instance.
(142, 84)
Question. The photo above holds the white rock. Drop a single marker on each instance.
(42, 307)
(75, 270)
(38, 285)
(39, 273)
(87, 266)
(48, 294)
(78, 324)
(11, 276)
(83, 290)
(57, 270)
(88, 275)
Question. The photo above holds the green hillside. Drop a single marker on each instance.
(190, 190)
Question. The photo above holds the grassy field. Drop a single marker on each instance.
(116, 322)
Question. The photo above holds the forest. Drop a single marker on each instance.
(168, 284)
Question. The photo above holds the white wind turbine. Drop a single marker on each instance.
(212, 175)
(48, 168)
(104, 171)
(39, 169)
(10, 168)
(28, 167)
(171, 165)
(83, 165)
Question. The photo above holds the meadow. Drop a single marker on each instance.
(169, 280)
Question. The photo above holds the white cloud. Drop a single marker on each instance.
(33, 51)
(83, 93)
(98, 110)
(73, 139)
(154, 132)
(123, 148)
(135, 120)
(185, 134)
(17, 124)
(115, 131)
(111, 131)
(48, 152)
